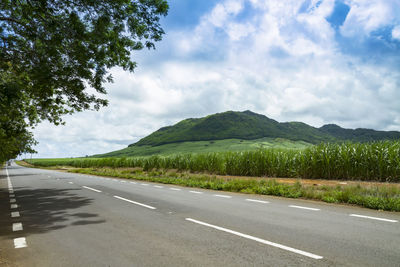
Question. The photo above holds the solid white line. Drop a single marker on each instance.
(137, 203)
(70, 182)
(15, 214)
(196, 192)
(158, 186)
(14, 206)
(20, 242)
(145, 184)
(17, 227)
(263, 241)
(175, 189)
(95, 190)
(12, 200)
(224, 196)
(301, 207)
(373, 218)
(256, 200)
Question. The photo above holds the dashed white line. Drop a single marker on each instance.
(301, 207)
(17, 227)
(15, 214)
(133, 182)
(196, 192)
(95, 190)
(20, 242)
(256, 200)
(14, 206)
(223, 196)
(123, 181)
(145, 184)
(136, 203)
(158, 186)
(263, 241)
(373, 218)
(12, 200)
(70, 182)
(175, 189)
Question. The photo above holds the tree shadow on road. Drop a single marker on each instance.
(44, 210)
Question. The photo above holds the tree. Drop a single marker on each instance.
(53, 52)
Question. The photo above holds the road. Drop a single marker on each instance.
(50, 218)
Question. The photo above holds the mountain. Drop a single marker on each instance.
(248, 125)
(238, 131)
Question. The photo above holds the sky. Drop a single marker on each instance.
(315, 61)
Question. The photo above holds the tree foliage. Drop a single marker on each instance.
(55, 55)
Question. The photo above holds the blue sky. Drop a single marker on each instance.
(316, 61)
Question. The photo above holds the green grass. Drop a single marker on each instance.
(377, 161)
(382, 198)
(206, 147)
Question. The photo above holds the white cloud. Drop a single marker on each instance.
(396, 32)
(366, 16)
(277, 62)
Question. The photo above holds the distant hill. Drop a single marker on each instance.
(237, 131)
(248, 125)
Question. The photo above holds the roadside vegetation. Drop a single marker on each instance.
(374, 162)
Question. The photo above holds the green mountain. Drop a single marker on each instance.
(235, 131)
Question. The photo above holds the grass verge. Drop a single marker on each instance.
(385, 197)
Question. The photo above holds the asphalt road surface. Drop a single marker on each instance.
(50, 218)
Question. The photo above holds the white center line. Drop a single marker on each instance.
(14, 206)
(196, 192)
(373, 218)
(136, 203)
(256, 200)
(12, 200)
(20, 242)
(95, 190)
(158, 186)
(15, 214)
(175, 189)
(301, 207)
(263, 241)
(145, 184)
(224, 196)
(17, 227)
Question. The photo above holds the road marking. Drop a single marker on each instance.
(17, 227)
(158, 186)
(145, 184)
(11, 191)
(373, 218)
(70, 182)
(15, 214)
(14, 206)
(224, 196)
(196, 192)
(263, 241)
(115, 180)
(49, 176)
(12, 195)
(301, 207)
(95, 190)
(123, 181)
(12, 200)
(133, 182)
(20, 242)
(136, 203)
(175, 189)
(256, 200)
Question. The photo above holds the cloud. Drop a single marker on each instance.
(279, 58)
